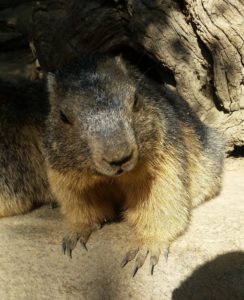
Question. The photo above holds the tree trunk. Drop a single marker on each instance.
(197, 44)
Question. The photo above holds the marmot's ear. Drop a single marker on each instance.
(120, 62)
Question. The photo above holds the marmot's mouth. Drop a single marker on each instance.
(111, 173)
(106, 170)
(119, 172)
(116, 168)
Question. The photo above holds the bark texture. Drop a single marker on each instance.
(198, 45)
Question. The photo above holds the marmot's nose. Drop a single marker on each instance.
(121, 161)
(117, 162)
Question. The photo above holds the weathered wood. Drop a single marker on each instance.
(199, 42)
(16, 59)
(220, 24)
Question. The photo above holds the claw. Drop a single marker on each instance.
(140, 259)
(129, 256)
(64, 247)
(83, 245)
(136, 268)
(141, 255)
(155, 254)
(71, 239)
(70, 253)
(69, 243)
(124, 262)
(153, 262)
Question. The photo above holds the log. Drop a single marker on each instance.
(197, 46)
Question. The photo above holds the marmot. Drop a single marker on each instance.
(115, 137)
(23, 177)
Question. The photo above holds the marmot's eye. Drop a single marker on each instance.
(64, 118)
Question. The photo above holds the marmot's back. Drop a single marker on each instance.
(204, 147)
(23, 179)
(186, 139)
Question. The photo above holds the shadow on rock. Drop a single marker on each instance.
(219, 279)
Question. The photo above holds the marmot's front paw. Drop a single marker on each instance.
(69, 242)
(71, 239)
(141, 254)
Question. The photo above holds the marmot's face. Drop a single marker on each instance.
(96, 123)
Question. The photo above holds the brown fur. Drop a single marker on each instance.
(176, 161)
(113, 139)
(23, 177)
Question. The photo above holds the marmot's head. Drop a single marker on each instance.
(98, 121)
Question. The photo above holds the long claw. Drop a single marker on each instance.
(129, 256)
(83, 245)
(140, 259)
(71, 239)
(124, 262)
(155, 254)
(141, 255)
(136, 268)
(69, 243)
(70, 253)
(153, 262)
(64, 247)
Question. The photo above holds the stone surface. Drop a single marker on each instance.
(206, 263)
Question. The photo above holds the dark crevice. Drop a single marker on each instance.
(218, 105)
(237, 152)
(146, 64)
(207, 55)
(182, 5)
